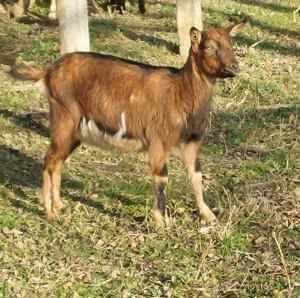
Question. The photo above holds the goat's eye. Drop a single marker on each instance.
(210, 49)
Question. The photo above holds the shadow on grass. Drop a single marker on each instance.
(268, 46)
(19, 171)
(288, 50)
(236, 127)
(37, 19)
(107, 28)
(151, 40)
(25, 121)
(112, 212)
(263, 162)
(272, 29)
(267, 5)
(265, 26)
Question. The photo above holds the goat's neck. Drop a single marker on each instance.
(198, 85)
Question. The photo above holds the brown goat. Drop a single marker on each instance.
(104, 101)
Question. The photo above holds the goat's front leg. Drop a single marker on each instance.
(158, 158)
(52, 11)
(190, 158)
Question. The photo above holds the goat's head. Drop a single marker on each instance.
(213, 51)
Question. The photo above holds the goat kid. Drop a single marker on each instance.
(107, 101)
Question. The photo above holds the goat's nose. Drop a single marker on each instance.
(234, 67)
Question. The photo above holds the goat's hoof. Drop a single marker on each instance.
(169, 221)
(52, 15)
(52, 216)
(206, 229)
(210, 219)
(58, 205)
(218, 211)
(159, 219)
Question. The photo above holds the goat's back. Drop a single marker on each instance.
(104, 87)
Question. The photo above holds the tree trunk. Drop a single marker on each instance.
(73, 25)
(189, 14)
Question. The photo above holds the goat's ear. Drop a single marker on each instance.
(234, 28)
(195, 36)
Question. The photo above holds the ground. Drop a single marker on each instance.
(105, 244)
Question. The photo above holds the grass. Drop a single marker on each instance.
(105, 244)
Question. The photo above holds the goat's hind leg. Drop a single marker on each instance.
(158, 159)
(62, 144)
(190, 153)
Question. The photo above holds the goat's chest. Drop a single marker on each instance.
(196, 124)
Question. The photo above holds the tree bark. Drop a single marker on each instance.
(188, 14)
(73, 25)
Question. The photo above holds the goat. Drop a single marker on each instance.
(108, 101)
(15, 8)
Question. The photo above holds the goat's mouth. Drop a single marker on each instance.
(230, 72)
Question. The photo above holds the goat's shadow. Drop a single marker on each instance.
(19, 171)
(26, 121)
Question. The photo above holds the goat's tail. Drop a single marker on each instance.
(26, 72)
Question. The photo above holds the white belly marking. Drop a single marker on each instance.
(90, 133)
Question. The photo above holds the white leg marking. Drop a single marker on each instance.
(42, 87)
(94, 131)
(122, 128)
(84, 128)
(52, 13)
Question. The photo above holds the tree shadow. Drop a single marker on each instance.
(112, 212)
(268, 45)
(151, 40)
(232, 131)
(265, 26)
(25, 121)
(19, 171)
(268, 116)
(109, 27)
(106, 27)
(267, 5)
(35, 18)
(273, 29)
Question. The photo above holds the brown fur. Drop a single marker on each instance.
(164, 107)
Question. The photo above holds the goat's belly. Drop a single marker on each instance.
(110, 144)
(90, 134)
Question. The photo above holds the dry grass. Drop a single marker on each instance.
(105, 244)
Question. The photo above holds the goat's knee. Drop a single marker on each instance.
(159, 210)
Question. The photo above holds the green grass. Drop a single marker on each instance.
(105, 243)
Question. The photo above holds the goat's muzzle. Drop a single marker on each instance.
(231, 71)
